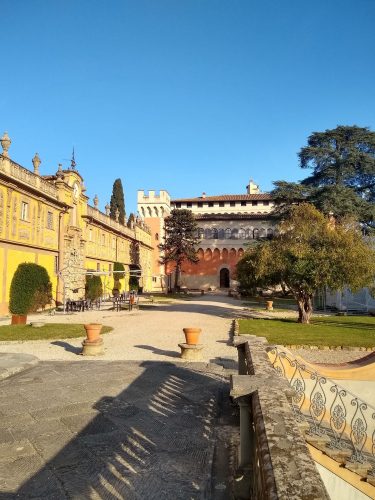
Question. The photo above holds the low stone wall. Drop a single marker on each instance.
(274, 461)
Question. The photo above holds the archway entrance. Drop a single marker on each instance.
(224, 278)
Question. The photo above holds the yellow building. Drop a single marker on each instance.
(47, 220)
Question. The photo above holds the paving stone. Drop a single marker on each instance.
(137, 444)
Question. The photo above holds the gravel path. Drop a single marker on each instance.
(141, 335)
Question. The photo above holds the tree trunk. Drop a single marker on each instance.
(304, 309)
(176, 287)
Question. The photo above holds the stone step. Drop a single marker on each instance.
(362, 469)
(339, 455)
(319, 441)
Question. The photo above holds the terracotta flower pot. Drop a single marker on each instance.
(269, 305)
(192, 335)
(93, 331)
(19, 319)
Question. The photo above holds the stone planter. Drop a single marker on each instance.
(93, 331)
(192, 335)
(19, 319)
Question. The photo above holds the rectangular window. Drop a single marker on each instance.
(24, 211)
(189, 204)
(210, 204)
(98, 266)
(254, 203)
(200, 204)
(49, 220)
(265, 203)
(243, 203)
(221, 204)
(232, 203)
(178, 205)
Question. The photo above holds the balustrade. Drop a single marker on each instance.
(330, 410)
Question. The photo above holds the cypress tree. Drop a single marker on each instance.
(117, 202)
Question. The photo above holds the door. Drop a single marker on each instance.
(224, 278)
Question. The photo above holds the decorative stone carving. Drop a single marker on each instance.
(5, 143)
(107, 209)
(117, 214)
(36, 162)
(96, 201)
(59, 173)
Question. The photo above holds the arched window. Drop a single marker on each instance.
(256, 234)
(241, 234)
(269, 233)
(215, 233)
(228, 233)
(249, 234)
(156, 236)
(143, 212)
(208, 233)
(156, 211)
(235, 234)
(262, 233)
(149, 211)
(221, 234)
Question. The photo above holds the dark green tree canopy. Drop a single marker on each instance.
(343, 174)
(117, 201)
(180, 240)
(30, 289)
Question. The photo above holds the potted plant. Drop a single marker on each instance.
(117, 276)
(93, 331)
(192, 335)
(30, 290)
(93, 287)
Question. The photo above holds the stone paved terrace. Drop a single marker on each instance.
(108, 430)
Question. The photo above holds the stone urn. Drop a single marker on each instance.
(192, 335)
(93, 331)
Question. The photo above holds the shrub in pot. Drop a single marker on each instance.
(93, 287)
(30, 290)
(117, 276)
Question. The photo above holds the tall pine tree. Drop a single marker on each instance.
(117, 202)
(180, 241)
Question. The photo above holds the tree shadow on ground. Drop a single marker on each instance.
(152, 440)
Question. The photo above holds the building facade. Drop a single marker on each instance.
(227, 224)
(46, 219)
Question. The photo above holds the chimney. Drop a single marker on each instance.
(203, 195)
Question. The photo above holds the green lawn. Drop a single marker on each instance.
(279, 304)
(356, 331)
(48, 331)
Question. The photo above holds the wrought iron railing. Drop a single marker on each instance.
(330, 410)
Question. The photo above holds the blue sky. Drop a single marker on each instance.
(183, 95)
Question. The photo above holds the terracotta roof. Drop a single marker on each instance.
(233, 216)
(226, 197)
